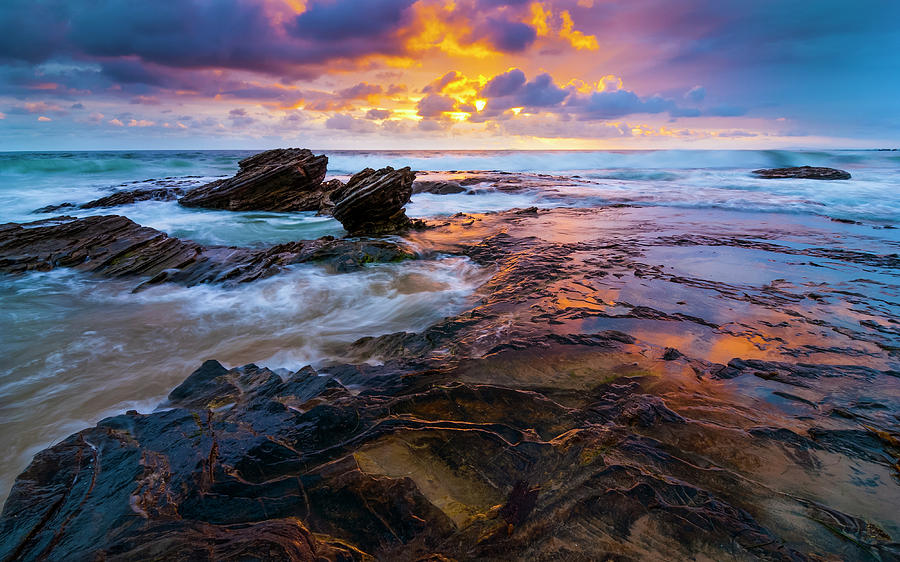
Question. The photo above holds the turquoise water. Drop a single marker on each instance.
(676, 178)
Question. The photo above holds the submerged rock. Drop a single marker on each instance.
(372, 201)
(803, 172)
(115, 246)
(284, 179)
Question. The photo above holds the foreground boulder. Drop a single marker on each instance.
(414, 462)
(114, 246)
(803, 172)
(372, 201)
(285, 179)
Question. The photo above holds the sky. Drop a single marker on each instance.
(463, 74)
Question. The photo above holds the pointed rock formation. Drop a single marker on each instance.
(372, 201)
(285, 179)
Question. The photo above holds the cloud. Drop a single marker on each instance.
(438, 85)
(435, 105)
(346, 19)
(504, 84)
(344, 122)
(695, 94)
(508, 36)
(44, 119)
(378, 114)
(362, 90)
(619, 103)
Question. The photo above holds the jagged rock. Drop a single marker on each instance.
(411, 465)
(133, 196)
(284, 179)
(54, 208)
(372, 201)
(803, 172)
(115, 246)
(437, 187)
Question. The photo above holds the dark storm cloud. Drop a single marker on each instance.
(234, 34)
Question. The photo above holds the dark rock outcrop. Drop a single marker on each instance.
(126, 197)
(372, 201)
(135, 195)
(115, 246)
(284, 179)
(438, 187)
(54, 208)
(803, 172)
(413, 464)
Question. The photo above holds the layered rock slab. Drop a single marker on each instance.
(284, 179)
(404, 461)
(115, 246)
(373, 201)
(803, 172)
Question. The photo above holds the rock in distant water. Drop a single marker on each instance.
(372, 201)
(284, 179)
(803, 172)
(114, 246)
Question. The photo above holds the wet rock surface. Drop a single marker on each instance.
(284, 179)
(803, 172)
(372, 201)
(114, 246)
(438, 187)
(630, 383)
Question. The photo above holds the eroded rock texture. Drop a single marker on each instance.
(284, 179)
(604, 398)
(372, 201)
(114, 246)
(804, 172)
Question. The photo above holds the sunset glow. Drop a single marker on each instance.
(469, 73)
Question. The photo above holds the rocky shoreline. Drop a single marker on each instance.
(600, 400)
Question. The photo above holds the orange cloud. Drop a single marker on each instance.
(563, 27)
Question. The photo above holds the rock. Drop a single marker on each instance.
(54, 208)
(437, 187)
(803, 172)
(114, 246)
(412, 465)
(284, 179)
(372, 201)
(133, 196)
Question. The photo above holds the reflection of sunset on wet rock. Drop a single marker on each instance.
(417, 280)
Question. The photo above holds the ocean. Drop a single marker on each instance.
(75, 349)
